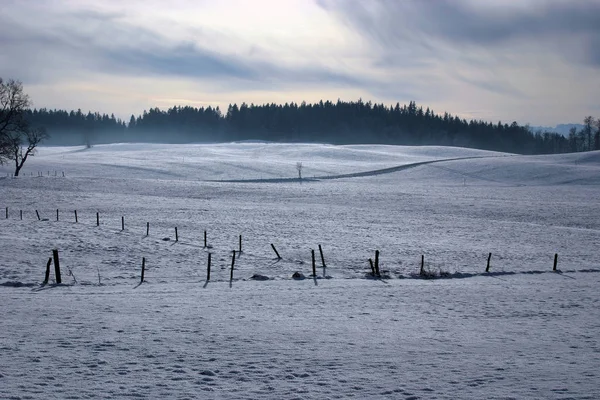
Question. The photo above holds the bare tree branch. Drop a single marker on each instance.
(17, 139)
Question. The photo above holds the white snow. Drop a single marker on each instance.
(521, 331)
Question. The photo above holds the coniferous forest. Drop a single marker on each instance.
(354, 122)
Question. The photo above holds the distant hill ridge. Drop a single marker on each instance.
(562, 129)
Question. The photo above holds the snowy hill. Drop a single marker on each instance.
(520, 331)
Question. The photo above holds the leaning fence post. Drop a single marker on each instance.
(47, 276)
(372, 266)
(208, 269)
(555, 261)
(487, 269)
(275, 250)
(232, 264)
(322, 258)
(38, 215)
(143, 269)
(76, 216)
(56, 266)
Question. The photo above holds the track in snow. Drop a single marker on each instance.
(350, 175)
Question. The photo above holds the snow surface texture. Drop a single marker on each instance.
(521, 331)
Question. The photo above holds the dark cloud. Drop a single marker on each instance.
(182, 60)
(104, 43)
(76, 42)
(428, 26)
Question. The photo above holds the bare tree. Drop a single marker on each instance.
(299, 168)
(17, 139)
(21, 149)
(588, 122)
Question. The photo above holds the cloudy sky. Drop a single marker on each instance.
(533, 61)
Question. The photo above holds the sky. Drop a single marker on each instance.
(530, 61)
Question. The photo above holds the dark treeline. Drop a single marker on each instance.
(339, 123)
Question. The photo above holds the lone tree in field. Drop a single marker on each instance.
(299, 168)
(17, 139)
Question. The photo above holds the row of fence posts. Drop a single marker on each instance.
(122, 225)
(314, 274)
(422, 272)
(39, 173)
(375, 272)
(37, 213)
(374, 266)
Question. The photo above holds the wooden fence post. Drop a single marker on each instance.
(205, 239)
(422, 272)
(47, 276)
(6, 212)
(240, 243)
(232, 264)
(377, 263)
(555, 261)
(21, 214)
(57, 215)
(76, 220)
(208, 269)
(176, 235)
(314, 267)
(56, 266)
(147, 228)
(487, 269)
(143, 269)
(97, 219)
(372, 266)
(322, 258)
(38, 215)
(275, 250)
(122, 223)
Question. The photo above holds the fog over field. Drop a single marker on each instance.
(519, 331)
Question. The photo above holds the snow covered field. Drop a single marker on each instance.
(521, 331)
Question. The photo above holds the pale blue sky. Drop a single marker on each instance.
(533, 61)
